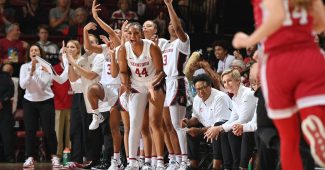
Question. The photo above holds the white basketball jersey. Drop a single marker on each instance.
(141, 67)
(175, 55)
(106, 74)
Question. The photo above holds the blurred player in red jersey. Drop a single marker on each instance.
(292, 73)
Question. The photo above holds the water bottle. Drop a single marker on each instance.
(66, 156)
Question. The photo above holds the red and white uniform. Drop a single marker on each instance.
(142, 67)
(293, 67)
(175, 55)
(110, 85)
(142, 73)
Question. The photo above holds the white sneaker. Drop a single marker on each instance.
(115, 165)
(173, 165)
(160, 167)
(29, 163)
(56, 162)
(97, 119)
(146, 166)
(132, 167)
(184, 166)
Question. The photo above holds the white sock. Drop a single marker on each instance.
(160, 160)
(96, 111)
(184, 158)
(147, 160)
(117, 157)
(172, 157)
(153, 161)
(179, 159)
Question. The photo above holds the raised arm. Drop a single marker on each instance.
(112, 53)
(91, 47)
(272, 23)
(113, 36)
(175, 21)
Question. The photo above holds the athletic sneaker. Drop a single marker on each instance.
(97, 119)
(102, 165)
(29, 163)
(173, 165)
(115, 165)
(56, 162)
(132, 167)
(146, 166)
(313, 129)
(184, 166)
(160, 167)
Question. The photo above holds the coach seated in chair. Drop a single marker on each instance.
(211, 107)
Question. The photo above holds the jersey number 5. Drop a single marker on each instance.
(143, 72)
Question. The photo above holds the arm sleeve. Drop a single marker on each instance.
(247, 109)
(251, 126)
(233, 116)
(42, 78)
(24, 76)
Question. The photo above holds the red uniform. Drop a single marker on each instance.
(293, 67)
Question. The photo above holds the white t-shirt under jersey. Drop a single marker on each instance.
(142, 67)
(175, 55)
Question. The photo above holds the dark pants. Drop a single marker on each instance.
(91, 140)
(235, 146)
(108, 139)
(247, 148)
(221, 149)
(33, 113)
(7, 130)
(267, 142)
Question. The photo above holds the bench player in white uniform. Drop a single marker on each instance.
(144, 82)
(175, 55)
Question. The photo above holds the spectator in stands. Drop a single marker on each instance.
(51, 49)
(6, 16)
(123, 13)
(248, 58)
(241, 67)
(244, 104)
(6, 116)
(81, 19)
(13, 50)
(34, 15)
(222, 54)
(38, 107)
(62, 104)
(211, 107)
(61, 17)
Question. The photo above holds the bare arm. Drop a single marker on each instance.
(175, 21)
(272, 23)
(113, 36)
(158, 64)
(124, 75)
(91, 47)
